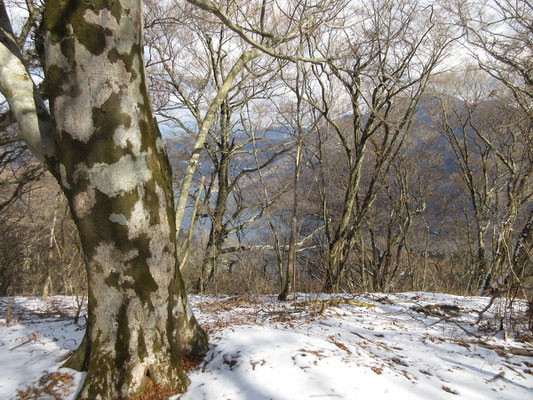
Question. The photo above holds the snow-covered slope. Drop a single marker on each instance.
(403, 346)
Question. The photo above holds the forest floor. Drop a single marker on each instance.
(379, 346)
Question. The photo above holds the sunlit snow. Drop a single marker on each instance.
(379, 346)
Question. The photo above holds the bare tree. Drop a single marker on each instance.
(390, 51)
(489, 135)
(383, 74)
(223, 92)
(459, 119)
(499, 35)
(300, 120)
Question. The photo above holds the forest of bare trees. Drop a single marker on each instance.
(353, 152)
(314, 146)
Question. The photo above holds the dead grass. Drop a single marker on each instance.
(447, 389)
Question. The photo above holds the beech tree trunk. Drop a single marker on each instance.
(116, 176)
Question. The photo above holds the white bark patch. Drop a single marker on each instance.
(83, 203)
(63, 176)
(130, 4)
(162, 262)
(160, 145)
(131, 96)
(111, 260)
(130, 104)
(162, 259)
(104, 18)
(177, 310)
(189, 312)
(130, 135)
(128, 27)
(185, 335)
(120, 177)
(110, 301)
(119, 219)
(123, 42)
(137, 318)
(98, 79)
(54, 55)
(139, 221)
(138, 90)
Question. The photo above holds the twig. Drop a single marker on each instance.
(458, 325)
(515, 371)
(8, 312)
(33, 338)
(484, 310)
(496, 377)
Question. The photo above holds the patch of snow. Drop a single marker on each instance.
(38, 339)
(379, 346)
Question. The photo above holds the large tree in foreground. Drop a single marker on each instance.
(111, 163)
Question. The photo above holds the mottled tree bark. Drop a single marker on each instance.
(115, 173)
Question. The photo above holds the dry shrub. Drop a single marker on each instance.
(28, 227)
(243, 278)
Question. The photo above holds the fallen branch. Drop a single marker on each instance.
(33, 338)
(501, 350)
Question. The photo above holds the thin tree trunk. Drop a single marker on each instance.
(185, 247)
(481, 270)
(522, 257)
(291, 252)
(218, 230)
(335, 267)
(47, 287)
(291, 255)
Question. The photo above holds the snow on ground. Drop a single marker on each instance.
(39, 337)
(401, 346)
